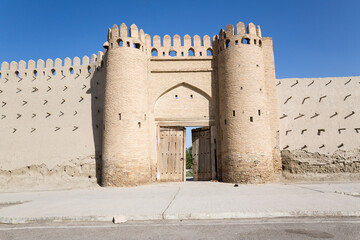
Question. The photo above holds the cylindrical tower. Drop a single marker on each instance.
(125, 151)
(245, 134)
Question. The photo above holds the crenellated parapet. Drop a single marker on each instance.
(156, 46)
(50, 67)
(179, 47)
(125, 37)
(240, 36)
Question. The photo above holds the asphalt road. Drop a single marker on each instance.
(279, 229)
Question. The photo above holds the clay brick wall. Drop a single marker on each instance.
(319, 114)
(319, 127)
(47, 121)
(125, 156)
(245, 132)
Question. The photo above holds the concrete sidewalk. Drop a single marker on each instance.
(186, 200)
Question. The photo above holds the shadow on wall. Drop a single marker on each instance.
(97, 90)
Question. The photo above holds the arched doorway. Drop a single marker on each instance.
(181, 106)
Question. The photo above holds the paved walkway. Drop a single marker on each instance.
(187, 200)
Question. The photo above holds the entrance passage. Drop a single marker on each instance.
(201, 151)
(171, 154)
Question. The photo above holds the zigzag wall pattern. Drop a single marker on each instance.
(48, 114)
(319, 114)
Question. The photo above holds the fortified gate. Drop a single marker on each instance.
(153, 89)
(118, 118)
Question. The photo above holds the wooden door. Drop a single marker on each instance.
(201, 151)
(171, 154)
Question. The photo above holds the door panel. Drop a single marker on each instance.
(171, 154)
(201, 140)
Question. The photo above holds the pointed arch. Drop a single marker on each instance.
(174, 104)
(187, 85)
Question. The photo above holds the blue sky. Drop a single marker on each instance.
(316, 38)
(312, 38)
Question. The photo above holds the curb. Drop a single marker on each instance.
(180, 216)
